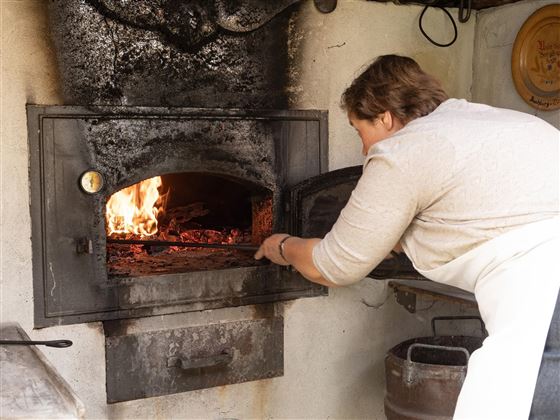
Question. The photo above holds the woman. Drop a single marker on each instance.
(471, 194)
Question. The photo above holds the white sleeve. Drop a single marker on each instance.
(378, 212)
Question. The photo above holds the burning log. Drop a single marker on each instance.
(181, 218)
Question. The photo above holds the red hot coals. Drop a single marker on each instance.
(180, 208)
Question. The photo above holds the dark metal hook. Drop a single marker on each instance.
(462, 17)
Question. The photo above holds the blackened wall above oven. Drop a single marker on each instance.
(198, 53)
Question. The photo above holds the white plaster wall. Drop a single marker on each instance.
(335, 345)
(28, 75)
(333, 49)
(496, 29)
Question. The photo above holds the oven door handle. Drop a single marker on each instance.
(218, 360)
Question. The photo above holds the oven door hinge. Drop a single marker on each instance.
(84, 246)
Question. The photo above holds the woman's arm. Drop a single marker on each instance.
(296, 252)
(376, 216)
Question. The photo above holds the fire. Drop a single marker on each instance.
(134, 209)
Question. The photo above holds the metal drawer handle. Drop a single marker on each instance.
(435, 347)
(222, 359)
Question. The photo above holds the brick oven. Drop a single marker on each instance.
(186, 100)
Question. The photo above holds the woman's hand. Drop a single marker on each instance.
(270, 249)
(297, 253)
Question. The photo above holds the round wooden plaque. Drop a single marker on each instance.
(535, 60)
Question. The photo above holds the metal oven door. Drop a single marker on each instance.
(315, 205)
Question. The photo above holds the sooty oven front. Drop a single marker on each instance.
(224, 176)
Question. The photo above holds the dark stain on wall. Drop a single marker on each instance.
(199, 53)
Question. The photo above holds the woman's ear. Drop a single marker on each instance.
(390, 122)
(387, 120)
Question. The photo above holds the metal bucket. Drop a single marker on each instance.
(424, 375)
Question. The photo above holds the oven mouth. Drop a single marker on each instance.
(153, 227)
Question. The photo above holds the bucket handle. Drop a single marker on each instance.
(453, 318)
(435, 347)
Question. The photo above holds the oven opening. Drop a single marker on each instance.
(149, 223)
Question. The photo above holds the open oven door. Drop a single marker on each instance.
(314, 206)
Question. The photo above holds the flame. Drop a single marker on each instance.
(133, 209)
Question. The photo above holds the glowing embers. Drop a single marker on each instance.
(186, 207)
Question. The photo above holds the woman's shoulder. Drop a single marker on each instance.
(456, 110)
(420, 153)
(415, 139)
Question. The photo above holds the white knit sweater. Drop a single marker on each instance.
(442, 185)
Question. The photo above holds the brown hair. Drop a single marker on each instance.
(396, 84)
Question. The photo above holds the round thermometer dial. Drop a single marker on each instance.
(91, 182)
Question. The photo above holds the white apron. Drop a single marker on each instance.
(515, 279)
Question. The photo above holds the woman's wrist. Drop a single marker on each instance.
(281, 246)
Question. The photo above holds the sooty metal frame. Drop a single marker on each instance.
(271, 150)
